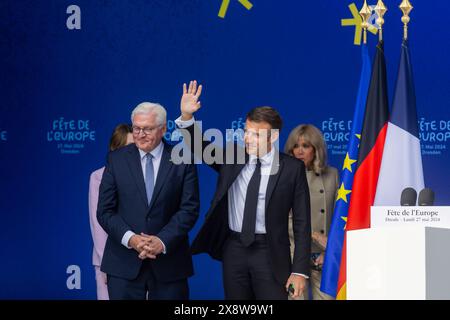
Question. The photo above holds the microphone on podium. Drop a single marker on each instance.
(426, 197)
(408, 197)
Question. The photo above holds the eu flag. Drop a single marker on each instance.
(331, 267)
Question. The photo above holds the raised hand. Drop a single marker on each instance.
(189, 101)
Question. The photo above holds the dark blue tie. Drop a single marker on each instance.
(251, 203)
(149, 176)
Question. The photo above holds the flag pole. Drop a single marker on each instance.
(406, 8)
(365, 14)
(380, 9)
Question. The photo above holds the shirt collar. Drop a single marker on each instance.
(156, 153)
(267, 159)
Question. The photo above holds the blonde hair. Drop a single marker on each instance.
(313, 136)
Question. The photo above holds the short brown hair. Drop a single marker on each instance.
(266, 114)
(119, 136)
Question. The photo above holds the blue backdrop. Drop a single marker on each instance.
(63, 89)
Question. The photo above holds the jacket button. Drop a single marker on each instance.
(321, 190)
(322, 231)
(322, 210)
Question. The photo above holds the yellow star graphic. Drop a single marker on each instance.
(359, 137)
(225, 3)
(342, 193)
(357, 21)
(345, 219)
(348, 163)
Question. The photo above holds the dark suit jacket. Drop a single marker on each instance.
(286, 189)
(123, 206)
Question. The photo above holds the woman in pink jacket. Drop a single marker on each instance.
(121, 137)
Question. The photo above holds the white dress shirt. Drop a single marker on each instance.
(238, 191)
(157, 155)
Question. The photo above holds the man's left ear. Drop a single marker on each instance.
(274, 135)
(164, 128)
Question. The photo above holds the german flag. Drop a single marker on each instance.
(373, 136)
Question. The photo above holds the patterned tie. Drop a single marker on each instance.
(251, 203)
(149, 176)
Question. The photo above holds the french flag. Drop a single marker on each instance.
(401, 166)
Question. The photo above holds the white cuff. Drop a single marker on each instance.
(164, 246)
(126, 238)
(184, 124)
(301, 274)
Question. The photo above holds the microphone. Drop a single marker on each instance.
(408, 197)
(426, 197)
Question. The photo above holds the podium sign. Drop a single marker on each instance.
(402, 256)
(398, 263)
(396, 216)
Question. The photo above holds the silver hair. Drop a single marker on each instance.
(150, 107)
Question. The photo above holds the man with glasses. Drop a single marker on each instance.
(147, 205)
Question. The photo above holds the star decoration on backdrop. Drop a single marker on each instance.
(357, 21)
(225, 4)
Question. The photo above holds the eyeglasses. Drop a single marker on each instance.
(147, 131)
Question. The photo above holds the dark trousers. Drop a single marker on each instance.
(146, 287)
(247, 274)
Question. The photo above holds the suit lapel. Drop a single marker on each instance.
(134, 162)
(273, 179)
(164, 168)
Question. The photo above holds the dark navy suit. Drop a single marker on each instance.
(172, 213)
